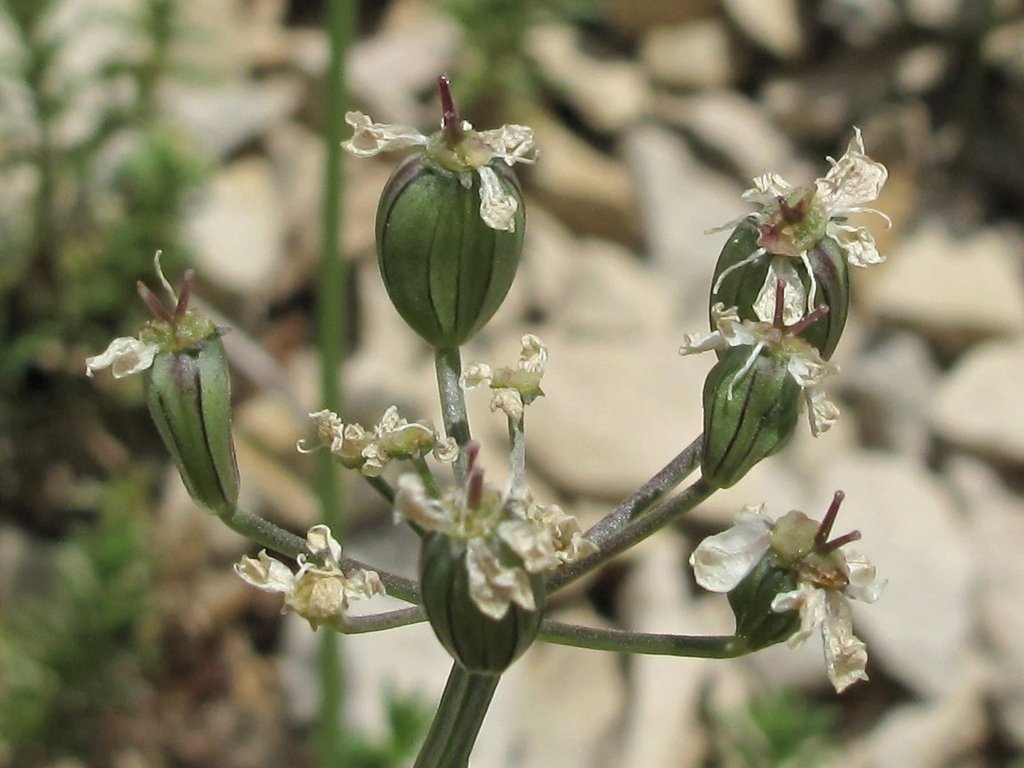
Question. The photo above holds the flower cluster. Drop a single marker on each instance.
(472, 152)
(369, 450)
(791, 220)
(803, 362)
(541, 537)
(825, 576)
(511, 388)
(320, 590)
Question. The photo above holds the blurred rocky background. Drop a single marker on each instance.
(128, 126)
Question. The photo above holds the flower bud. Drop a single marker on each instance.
(478, 642)
(446, 270)
(189, 397)
(740, 285)
(750, 412)
(751, 602)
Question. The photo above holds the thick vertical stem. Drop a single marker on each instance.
(331, 336)
(460, 713)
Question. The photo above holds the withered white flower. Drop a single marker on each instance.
(791, 221)
(487, 522)
(511, 144)
(511, 388)
(803, 362)
(369, 451)
(124, 356)
(320, 590)
(825, 575)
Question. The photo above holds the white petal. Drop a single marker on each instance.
(853, 180)
(531, 542)
(858, 244)
(534, 354)
(512, 143)
(864, 585)
(446, 450)
(476, 375)
(810, 601)
(412, 503)
(370, 138)
(821, 412)
(806, 365)
(266, 573)
(794, 297)
(124, 356)
(720, 562)
(702, 342)
(497, 207)
(509, 401)
(494, 587)
(767, 187)
(323, 545)
(845, 654)
(361, 583)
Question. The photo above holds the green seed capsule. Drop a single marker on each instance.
(189, 397)
(751, 603)
(748, 417)
(446, 271)
(740, 287)
(478, 642)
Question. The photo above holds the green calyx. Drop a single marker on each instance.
(750, 412)
(445, 270)
(476, 641)
(188, 393)
(751, 603)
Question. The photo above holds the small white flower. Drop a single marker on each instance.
(124, 356)
(511, 144)
(826, 576)
(369, 451)
(495, 587)
(791, 221)
(320, 590)
(511, 388)
(803, 362)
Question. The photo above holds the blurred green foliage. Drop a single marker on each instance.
(777, 729)
(74, 650)
(408, 720)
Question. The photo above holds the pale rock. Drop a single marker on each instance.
(1003, 47)
(922, 626)
(774, 25)
(928, 735)
(572, 703)
(922, 69)
(773, 482)
(807, 108)
(699, 54)
(223, 118)
(737, 128)
(664, 729)
(893, 383)
(996, 517)
(681, 198)
(936, 14)
(981, 404)
(615, 412)
(229, 38)
(586, 189)
(861, 22)
(609, 94)
(637, 16)
(952, 286)
(237, 231)
(388, 71)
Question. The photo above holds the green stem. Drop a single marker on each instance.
(429, 481)
(357, 625)
(448, 363)
(517, 452)
(382, 487)
(457, 721)
(696, 646)
(616, 541)
(331, 336)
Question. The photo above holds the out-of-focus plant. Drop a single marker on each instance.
(73, 652)
(407, 721)
(777, 729)
(94, 181)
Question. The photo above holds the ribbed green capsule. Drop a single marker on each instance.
(740, 287)
(189, 397)
(746, 418)
(751, 602)
(476, 641)
(445, 270)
